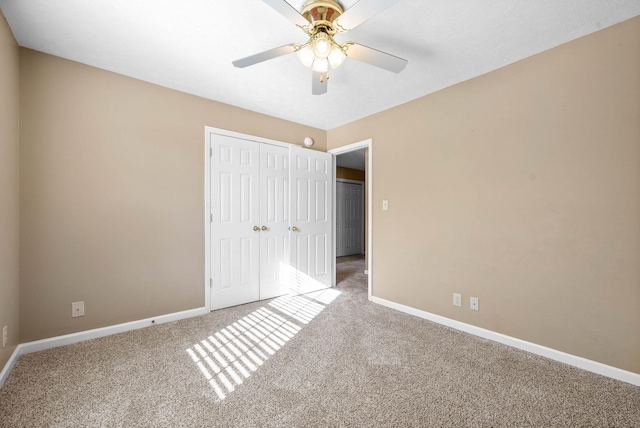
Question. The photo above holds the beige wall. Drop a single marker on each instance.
(9, 222)
(112, 194)
(522, 188)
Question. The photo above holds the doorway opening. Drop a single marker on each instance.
(353, 168)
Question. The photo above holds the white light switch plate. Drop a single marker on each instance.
(457, 299)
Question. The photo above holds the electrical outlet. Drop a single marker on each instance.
(457, 299)
(474, 304)
(4, 336)
(77, 309)
(385, 205)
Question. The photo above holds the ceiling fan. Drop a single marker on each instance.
(321, 20)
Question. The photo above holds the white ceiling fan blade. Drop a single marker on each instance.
(319, 87)
(376, 57)
(264, 56)
(361, 12)
(288, 12)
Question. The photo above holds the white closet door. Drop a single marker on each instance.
(235, 209)
(311, 218)
(274, 220)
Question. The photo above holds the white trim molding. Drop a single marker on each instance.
(553, 354)
(67, 339)
(573, 360)
(365, 144)
(13, 359)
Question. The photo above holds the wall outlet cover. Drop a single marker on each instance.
(77, 309)
(4, 335)
(474, 304)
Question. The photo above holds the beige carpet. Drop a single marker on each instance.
(327, 359)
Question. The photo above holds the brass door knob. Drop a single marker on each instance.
(264, 227)
(294, 229)
(256, 228)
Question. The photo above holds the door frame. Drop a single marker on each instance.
(365, 144)
(208, 131)
(362, 210)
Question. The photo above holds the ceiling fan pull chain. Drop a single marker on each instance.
(328, 75)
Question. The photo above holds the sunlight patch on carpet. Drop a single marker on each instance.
(229, 356)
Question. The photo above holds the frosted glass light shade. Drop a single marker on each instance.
(320, 52)
(336, 57)
(306, 55)
(320, 65)
(321, 45)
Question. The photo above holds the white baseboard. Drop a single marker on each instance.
(572, 360)
(67, 339)
(4, 374)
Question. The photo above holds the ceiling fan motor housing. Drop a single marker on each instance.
(319, 12)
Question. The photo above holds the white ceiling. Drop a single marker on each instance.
(189, 46)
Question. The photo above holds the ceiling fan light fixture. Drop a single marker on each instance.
(336, 56)
(321, 20)
(321, 65)
(306, 55)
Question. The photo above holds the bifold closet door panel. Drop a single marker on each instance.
(235, 231)
(311, 245)
(274, 221)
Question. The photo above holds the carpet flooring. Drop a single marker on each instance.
(329, 358)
